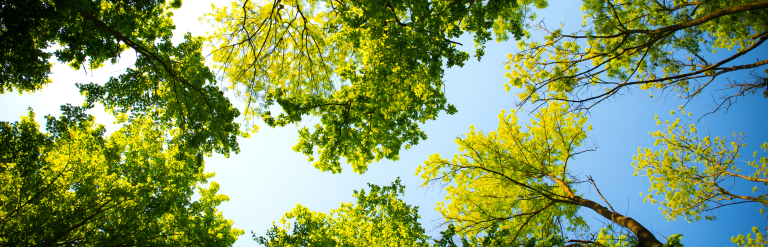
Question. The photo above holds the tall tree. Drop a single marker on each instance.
(663, 46)
(75, 186)
(371, 70)
(89, 33)
(520, 179)
(667, 47)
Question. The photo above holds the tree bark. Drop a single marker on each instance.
(644, 236)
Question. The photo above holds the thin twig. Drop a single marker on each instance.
(598, 192)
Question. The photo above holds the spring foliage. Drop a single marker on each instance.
(692, 173)
(378, 218)
(512, 176)
(371, 70)
(75, 186)
(665, 46)
(87, 34)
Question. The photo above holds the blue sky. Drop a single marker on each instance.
(267, 178)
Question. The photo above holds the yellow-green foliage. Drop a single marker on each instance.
(378, 218)
(371, 70)
(654, 44)
(689, 172)
(510, 176)
(73, 185)
(607, 237)
(759, 240)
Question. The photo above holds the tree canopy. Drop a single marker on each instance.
(89, 33)
(373, 73)
(378, 218)
(519, 178)
(694, 173)
(664, 46)
(371, 70)
(75, 186)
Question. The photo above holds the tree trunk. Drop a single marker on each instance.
(644, 236)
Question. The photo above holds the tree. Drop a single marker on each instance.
(89, 33)
(371, 70)
(378, 218)
(73, 185)
(520, 179)
(664, 46)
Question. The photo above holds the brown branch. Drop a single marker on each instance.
(584, 242)
(681, 76)
(645, 237)
(598, 192)
(715, 14)
(695, 22)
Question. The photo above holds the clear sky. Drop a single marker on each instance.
(267, 178)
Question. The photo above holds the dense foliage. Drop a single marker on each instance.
(87, 34)
(75, 186)
(378, 218)
(371, 70)
(520, 179)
